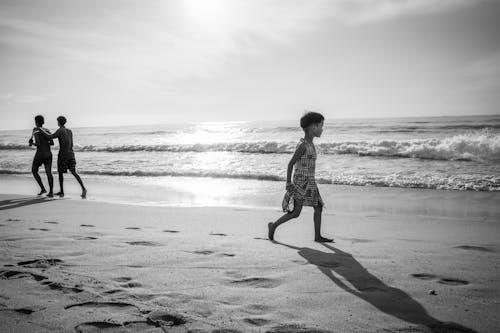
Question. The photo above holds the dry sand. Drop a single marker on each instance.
(74, 265)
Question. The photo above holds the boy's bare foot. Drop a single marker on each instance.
(84, 194)
(322, 239)
(42, 192)
(270, 231)
(60, 194)
(50, 195)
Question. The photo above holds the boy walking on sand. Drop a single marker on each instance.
(303, 191)
(43, 156)
(66, 157)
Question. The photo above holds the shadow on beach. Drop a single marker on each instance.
(21, 202)
(368, 287)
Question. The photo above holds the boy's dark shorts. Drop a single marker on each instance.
(41, 159)
(63, 164)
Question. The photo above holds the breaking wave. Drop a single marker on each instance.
(474, 146)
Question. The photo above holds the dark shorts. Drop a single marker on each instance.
(65, 163)
(41, 159)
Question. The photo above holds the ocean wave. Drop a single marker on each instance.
(14, 146)
(462, 183)
(473, 146)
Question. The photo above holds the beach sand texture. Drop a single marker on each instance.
(72, 265)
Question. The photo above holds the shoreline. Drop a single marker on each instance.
(267, 195)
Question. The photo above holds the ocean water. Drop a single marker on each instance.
(441, 153)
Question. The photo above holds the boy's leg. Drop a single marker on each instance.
(285, 218)
(317, 226)
(48, 171)
(84, 190)
(34, 170)
(61, 187)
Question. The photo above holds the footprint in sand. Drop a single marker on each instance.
(122, 279)
(227, 255)
(40, 263)
(171, 231)
(424, 276)
(217, 234)
(474, 248)
(2, 225)
(13, 220)
(87, 225)
(41, 229)
(85, 238)
(453, 282)
(131, 285)
(162, 318)
(9, 275)
(61, 287)
(133, 228)
(154, 319)
(100, 305)
(260, 238)
(26, 311)
(51, 222)
(292, 328)
(256, 282)
(203, 252)
(257, 321)
(448, 281)
(143, 243)
(97, 326)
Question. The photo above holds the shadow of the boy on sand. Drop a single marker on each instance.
(21, 202)
(368, 287)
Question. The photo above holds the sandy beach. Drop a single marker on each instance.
(90, 266)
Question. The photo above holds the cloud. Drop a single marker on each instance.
(371, 11)
(150, 45)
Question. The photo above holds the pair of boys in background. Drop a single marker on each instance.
(43, 139)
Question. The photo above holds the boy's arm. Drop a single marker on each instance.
(298, 153)
(47, 134)
(51, 142)
(33, 134)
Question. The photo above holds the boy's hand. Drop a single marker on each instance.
(30, 142)
(289, 186)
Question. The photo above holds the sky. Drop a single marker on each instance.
(119, 62)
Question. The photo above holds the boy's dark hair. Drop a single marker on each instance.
(61, 120)
(311, 118)
(39, 120)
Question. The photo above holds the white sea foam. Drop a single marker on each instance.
(474, 146)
